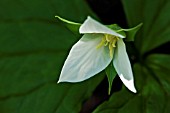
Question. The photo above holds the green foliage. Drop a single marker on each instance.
(33, 49)
(155, 17)
(152, 96)
(152, 71)
(34, 46)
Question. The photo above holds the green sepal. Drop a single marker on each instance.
(128, 33)
(72, 26)
(111, 74)
(132, 32)
(117, 29)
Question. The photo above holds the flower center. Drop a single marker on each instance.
(110, 41)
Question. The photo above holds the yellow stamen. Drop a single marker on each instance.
(101, 43)
(114, 42)
(106, 43)
(111, 50)
(109, 40)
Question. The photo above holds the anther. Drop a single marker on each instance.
(109, 40)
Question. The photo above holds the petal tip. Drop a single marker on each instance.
(81, 29)
(133, 89)
(58, 81)
(88, 17)
(128, 83)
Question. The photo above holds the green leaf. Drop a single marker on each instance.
(159, 64)
(151, 97)
(111, 74)
(114, 103)
(33, 47)
(151, 73)
(156, 18)
(72, 26)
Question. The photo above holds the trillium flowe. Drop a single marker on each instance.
(98, 47)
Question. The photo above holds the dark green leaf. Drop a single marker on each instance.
(114, 103)
(159, 64)
(151, 73)
(33, 47)
(155, 17)
(150, 98)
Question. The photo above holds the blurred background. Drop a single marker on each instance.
(34, 45)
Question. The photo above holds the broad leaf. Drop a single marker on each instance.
(151, 73)
(33, 47)
(155, 17)
(151, 96)
(159, 64)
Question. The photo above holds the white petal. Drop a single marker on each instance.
(128, 83)
(122, 66)
(92, 26)
(85, 60)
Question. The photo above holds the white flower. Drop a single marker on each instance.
(98, 47)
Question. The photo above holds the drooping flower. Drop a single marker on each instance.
(98, 47)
